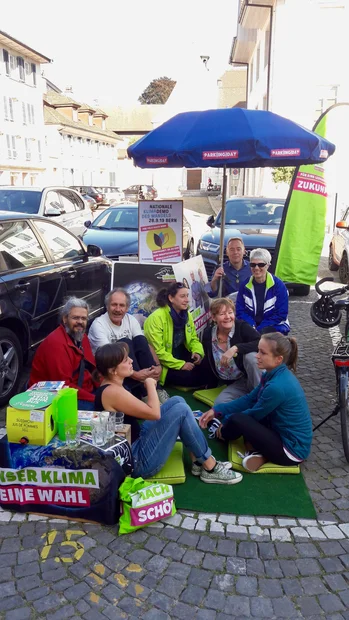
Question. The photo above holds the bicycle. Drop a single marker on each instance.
(325, 312)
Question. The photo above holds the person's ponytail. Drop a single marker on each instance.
(293, 355)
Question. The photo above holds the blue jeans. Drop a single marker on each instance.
(155, 444)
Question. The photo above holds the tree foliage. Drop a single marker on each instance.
(158, 91)
(282, 175)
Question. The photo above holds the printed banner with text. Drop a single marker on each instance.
(192, 274)
(160, 231)
(45, 479)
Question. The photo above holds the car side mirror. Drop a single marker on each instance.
(87, 224)
(52, 210)
(210, 221)
(341, 224)
(94, 250)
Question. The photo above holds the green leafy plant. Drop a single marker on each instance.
(158, 91)
(282, 175)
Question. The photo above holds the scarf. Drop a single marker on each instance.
(179, 319)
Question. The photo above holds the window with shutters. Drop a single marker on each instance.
(14, 148)
(13, 66)
(28, 154)
(33, 115)
(33, 66)
(6, 115)
(11, 109)
(20, 65)
(29, 113)
(11, 147)
(6, 59)
(24, 113)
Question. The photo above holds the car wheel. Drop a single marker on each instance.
(331, 264)
(190, 252)
(344, 269)
(301, 290)
(11, 364)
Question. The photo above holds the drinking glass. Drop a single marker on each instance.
(98, 427)
(72, 434)
(119, 420)
(111, 425)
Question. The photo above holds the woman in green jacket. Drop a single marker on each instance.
(171, 332)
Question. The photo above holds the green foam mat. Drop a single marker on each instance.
(274, 495)
(173, 470)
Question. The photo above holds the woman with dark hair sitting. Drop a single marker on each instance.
(170, 330)
(274, 418)
(163, 423)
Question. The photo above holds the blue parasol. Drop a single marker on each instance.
(233, 138)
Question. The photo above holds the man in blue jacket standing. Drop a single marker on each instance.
(263, 300)
(234, 272)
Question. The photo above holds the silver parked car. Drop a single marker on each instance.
(338, 257)
(63, 204)
(113, 195)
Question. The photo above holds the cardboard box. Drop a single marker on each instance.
(125, 432)
(35, 426)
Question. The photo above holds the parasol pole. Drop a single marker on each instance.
(221, 248)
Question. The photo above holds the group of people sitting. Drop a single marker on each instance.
(117, 367)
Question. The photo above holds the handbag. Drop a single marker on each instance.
(143, 503)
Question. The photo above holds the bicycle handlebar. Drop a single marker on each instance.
(334, 292)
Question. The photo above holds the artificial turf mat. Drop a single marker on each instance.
(267, 495)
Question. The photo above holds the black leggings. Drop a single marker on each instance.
(200, 376)
(263, 439)
(142, 358)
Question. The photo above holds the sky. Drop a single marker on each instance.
(110, 50)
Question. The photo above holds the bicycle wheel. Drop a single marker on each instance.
(344, 409)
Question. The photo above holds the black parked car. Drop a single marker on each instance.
(41, 264)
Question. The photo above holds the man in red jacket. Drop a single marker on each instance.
(66, 355)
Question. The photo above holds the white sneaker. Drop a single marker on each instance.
(220, 475)
(162, 395)
(253, 461)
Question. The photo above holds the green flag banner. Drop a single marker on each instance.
(302, 231)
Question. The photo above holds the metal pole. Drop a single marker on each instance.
(335, 212)
(221, 248)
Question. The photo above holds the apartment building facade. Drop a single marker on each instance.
(295, 53)
(22, 129)
(80, 150)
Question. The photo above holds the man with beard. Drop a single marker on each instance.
(118, 324)
(66, 355)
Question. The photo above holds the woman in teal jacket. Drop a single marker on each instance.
(171, 332)
(274, 418)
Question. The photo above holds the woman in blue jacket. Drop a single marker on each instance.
(274, 418)
(263, 300)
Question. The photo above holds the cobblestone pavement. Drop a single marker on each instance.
(198, 566)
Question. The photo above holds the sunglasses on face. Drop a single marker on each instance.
(260, 265)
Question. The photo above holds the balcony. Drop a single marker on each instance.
(254, 17)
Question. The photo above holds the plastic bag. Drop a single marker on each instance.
(143, 503)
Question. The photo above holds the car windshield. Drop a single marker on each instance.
(120, 218)
(253, 211)
(21, 201)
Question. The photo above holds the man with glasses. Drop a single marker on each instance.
(234, 272)
(66, 355)
(263, 300)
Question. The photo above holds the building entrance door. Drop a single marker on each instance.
(194, 179)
